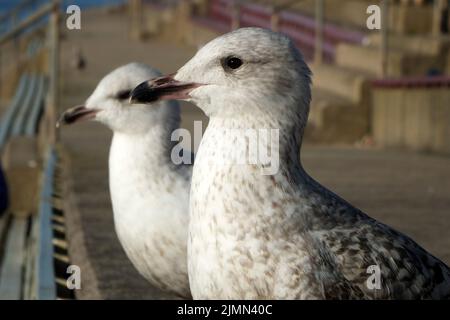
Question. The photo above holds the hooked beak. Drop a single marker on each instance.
(76, 114)
(162, 88)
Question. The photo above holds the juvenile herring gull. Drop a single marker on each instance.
(279, 236)
(149, 194)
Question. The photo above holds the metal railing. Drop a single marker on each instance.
(26, 264)
(317, 36)
(49, 10)
(317, 39)
(9, 19)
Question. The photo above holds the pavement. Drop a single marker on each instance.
(406, 190)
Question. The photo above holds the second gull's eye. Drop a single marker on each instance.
(123, 95)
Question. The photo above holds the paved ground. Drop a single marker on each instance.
(408, 191)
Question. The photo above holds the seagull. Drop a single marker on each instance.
(78, 60)
(280, 235)
(149, 193)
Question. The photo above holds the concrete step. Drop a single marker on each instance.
(405, 19)
(419, 44)
(401, 62)
(340, 105)
(335, 119)
(350, 13)
(349, 83)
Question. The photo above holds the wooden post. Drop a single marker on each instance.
(276, 11)
(201, 7)
(235, 15)
(384, 38)
(275, 20)
(136, 19)
(318, 50)
(438, 8)
(54, 73)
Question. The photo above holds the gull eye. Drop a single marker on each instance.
(123, 95)
(233, 62)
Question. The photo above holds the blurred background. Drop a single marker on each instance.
(378, 132)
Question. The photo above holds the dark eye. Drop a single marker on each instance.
(122, 95)
(233, 62)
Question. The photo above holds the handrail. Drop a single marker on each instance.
(45, 286)
(301, 27)
(15, 10)
(7, 121)
(413, 82)
(32, 119)
(51, 9)
(32, 96)
(39, 14)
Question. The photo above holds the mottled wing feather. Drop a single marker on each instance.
(407, 270)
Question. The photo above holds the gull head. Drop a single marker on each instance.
(110, 102)
(247, 71)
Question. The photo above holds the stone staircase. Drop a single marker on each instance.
(341, 106)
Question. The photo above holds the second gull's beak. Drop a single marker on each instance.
(76, 114)
(163, 88)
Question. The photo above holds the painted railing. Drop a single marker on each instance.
(25, 8)
(44, 278)
(24, 110)
(300, 27)
(26, 258)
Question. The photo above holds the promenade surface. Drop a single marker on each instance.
(409, 191)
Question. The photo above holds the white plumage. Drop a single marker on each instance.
(149, 194)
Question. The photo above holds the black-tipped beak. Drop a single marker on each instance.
(163, 88)
(76, 114)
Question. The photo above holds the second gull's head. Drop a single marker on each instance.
(109, 103)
